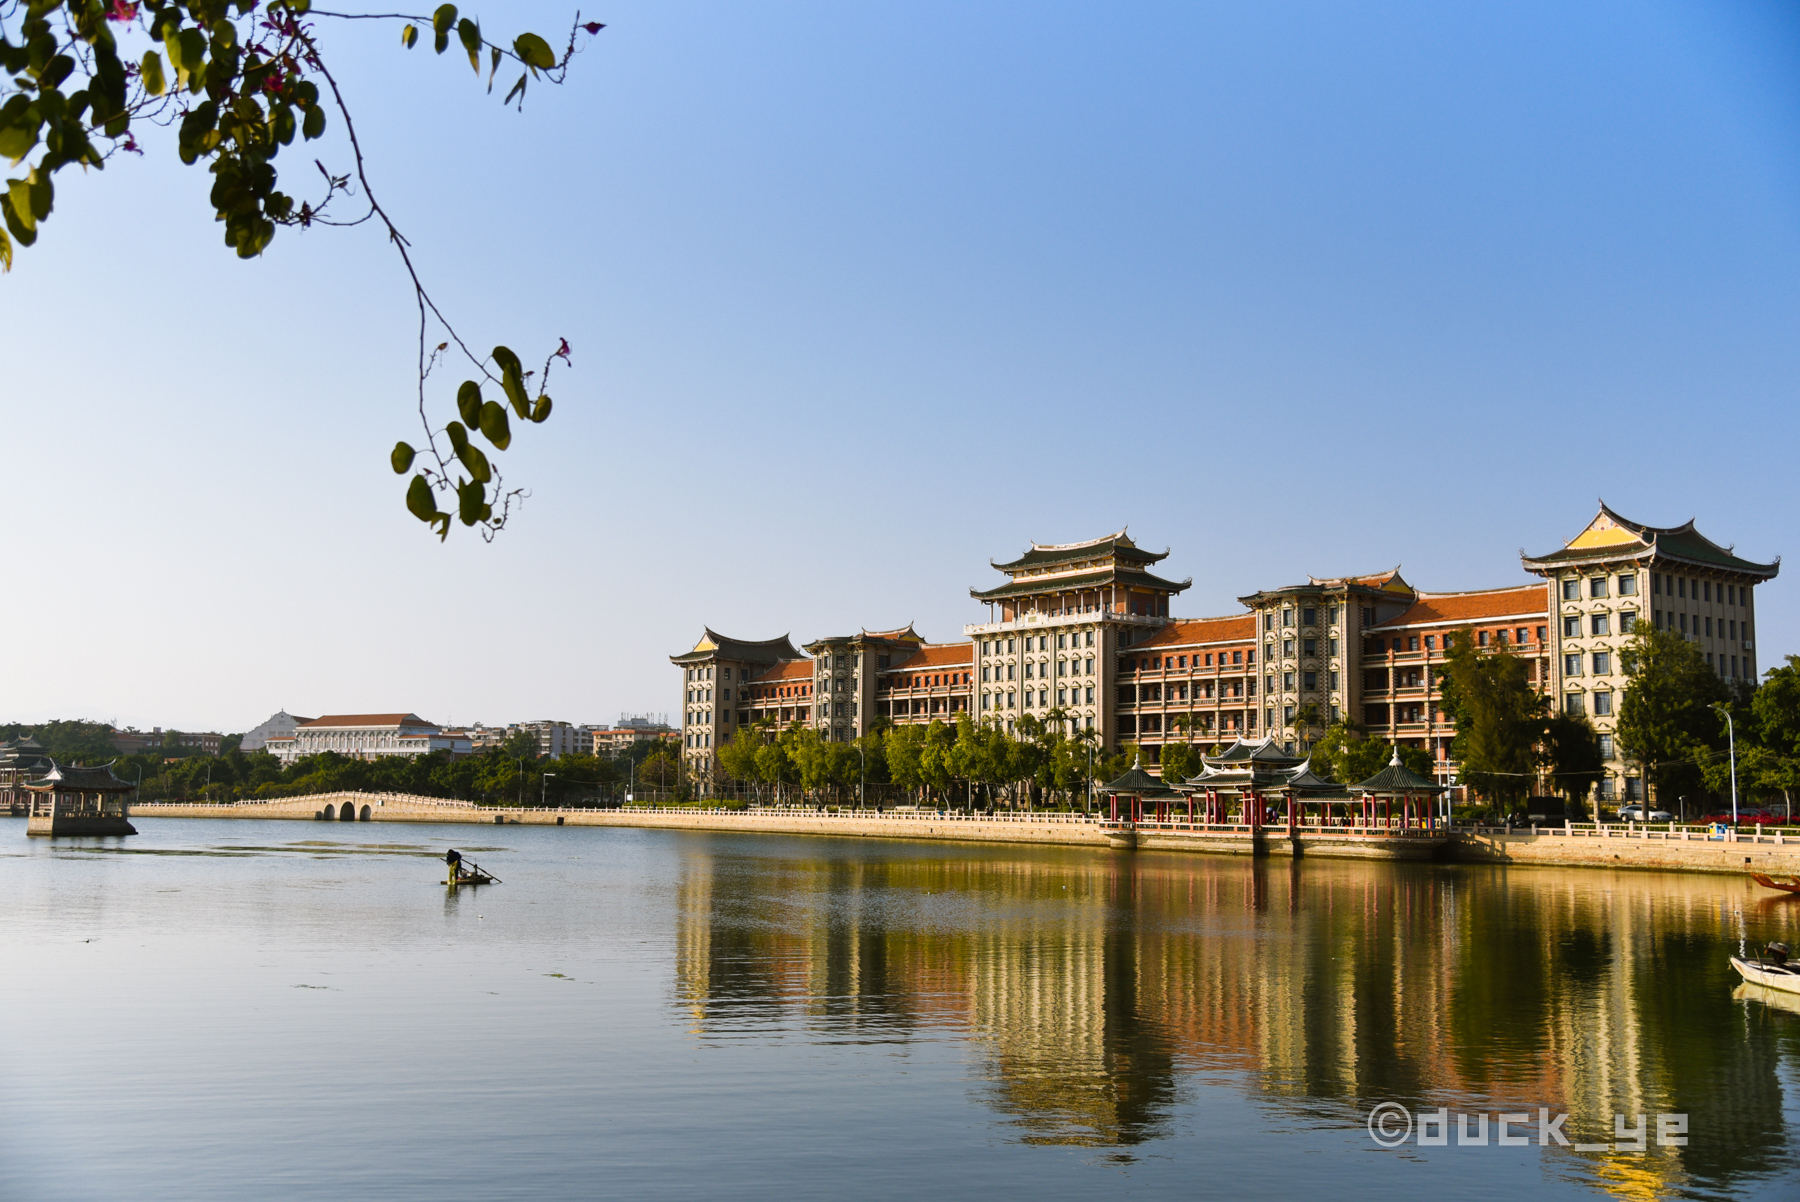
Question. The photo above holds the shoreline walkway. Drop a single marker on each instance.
(1664, 847)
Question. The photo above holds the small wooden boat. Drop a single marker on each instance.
(1770, 968)
(467, 872)
(1787, 883)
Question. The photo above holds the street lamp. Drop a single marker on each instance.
(862, 769)
(1731, 739)
(544, 789)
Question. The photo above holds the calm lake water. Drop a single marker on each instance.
(242, 1010)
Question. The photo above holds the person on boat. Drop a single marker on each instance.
(454, 859)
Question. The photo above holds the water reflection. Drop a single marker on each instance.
(1100, 991)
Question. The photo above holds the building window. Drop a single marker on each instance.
(1309, 616)
(1571, 665)
(1090, 701)
(1237, 657)
(1287, 617)
(1334, 715)
(1062, 642)
(1606, 747)
(1090, 638)
(1431, 642)
(1482, 638)
(1331, 647)
(1656, 582)
(1573, 706)
(1287, 681)
(1627, 620)
(1606, 788)
(1599, 624)
(1628, 584)
(1602, 704)
(1634, 788)
(1309, 680)
(1571, 589)
(1709, 626)
(1683, 618)
(1602, 663)
(1269, 620)
(1287, 715)
(1597, 587)
(1009, 701)
(1571, 628)
(1309, 646)
(1287, 648)
(1090, 666)
(1334, 684)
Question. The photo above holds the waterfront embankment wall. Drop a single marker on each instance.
(1653, 848)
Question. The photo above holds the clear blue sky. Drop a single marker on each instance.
(863, 295)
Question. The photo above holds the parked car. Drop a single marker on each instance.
(1635, 813)
(1746, 815)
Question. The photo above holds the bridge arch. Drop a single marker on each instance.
(329, 812)
(364, 815)
(347, 812)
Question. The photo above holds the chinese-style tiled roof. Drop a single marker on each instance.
(1259, 751)
(1611, 536)
(1390, 584)
(787, 669)
(1121, 576)
(1517, 601)
(1397, 778)
(936, 655)
(64, 779)
(1135, 782)
(1118, 545)
(340, 720)
(1191, 632)
(906, 634)
(713, 645)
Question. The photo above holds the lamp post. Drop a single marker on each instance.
(544, 789)
(1731, 742)
(862, 770)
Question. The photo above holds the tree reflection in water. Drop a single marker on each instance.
(1097, 992)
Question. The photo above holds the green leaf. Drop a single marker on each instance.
(419, 499)
(17, 140)
(409, 37)
(18, 192)
(471, 499)
(314, 125)
(441, 21)
(541, 410)
(470, 33)
(152, 73)
(24, 234)
(493, 68)
(518, 89)
(476, 462)
(402, 458)
(459, 436)
(494, 425)
(468, 403)
(5, 252)
(534, 51)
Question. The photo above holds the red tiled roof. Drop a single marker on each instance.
(787, 669)
(937, 655)
(1185, 632)
(905, 632)
(1520, 601)
(368, 720)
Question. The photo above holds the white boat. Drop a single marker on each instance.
(1770, 969)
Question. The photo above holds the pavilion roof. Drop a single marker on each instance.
(1262, 752)
(1397, 778)
(1135, 782)
(65, 778)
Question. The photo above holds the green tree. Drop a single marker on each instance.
(1570, 753)
(1666, 721)
(1179, 761)
(1488, 695)
(1346, 754)
(237, 82)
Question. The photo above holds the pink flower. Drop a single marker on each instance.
(121, 11)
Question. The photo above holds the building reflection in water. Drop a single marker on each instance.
(1098, 990)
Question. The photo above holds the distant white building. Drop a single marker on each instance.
(556, 739)
(367, 736)
(283, 723)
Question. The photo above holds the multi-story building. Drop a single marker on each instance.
(368, 737)
(1081, 634)
(1610, 577)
